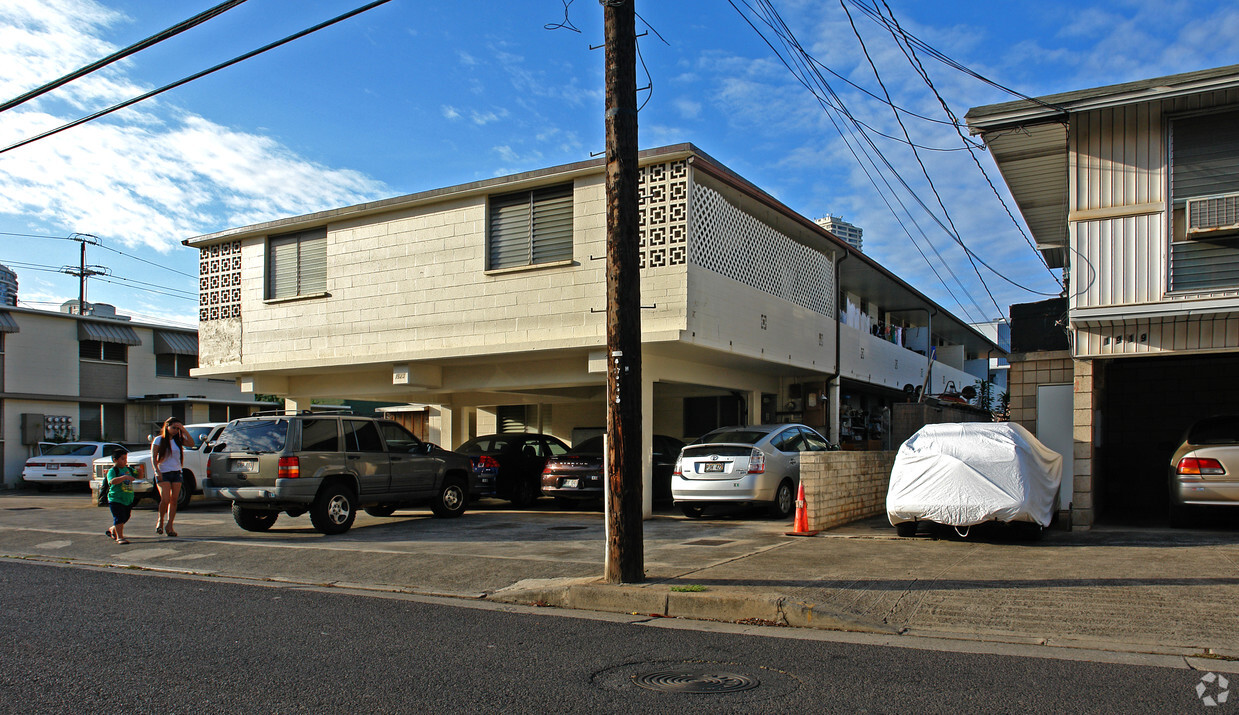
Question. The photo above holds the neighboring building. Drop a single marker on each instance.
(8, 286)
(1133, 189)
(997, 367)
(485, 302)
(64, 376)
(850, 234)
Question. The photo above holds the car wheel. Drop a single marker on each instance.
(253, 519)
(525, 493)
(784, 501)
(452, 499)
(187, 491)
(334, 509)
(906, 528)
(692, 511)
(380, 510)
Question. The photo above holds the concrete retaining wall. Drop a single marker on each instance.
(842, 487)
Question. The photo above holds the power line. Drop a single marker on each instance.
(106, 248)
(910, 53)
(121, 54)
(946, 214)
(789, 40)
(197, 75)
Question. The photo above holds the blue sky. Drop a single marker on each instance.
(416, 95)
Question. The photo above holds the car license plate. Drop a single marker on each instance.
(572, 483)
(52, 467)
(249, 466)
(713, 467)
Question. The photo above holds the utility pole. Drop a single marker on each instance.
(83, 271)
(625, 541)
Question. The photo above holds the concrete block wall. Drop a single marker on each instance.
(842, 487)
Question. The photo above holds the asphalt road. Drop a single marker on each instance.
(79, 639)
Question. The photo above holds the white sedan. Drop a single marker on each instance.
(67, 463)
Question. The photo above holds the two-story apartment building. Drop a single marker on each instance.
(65, 376)
(1133, 189)
(486, 302)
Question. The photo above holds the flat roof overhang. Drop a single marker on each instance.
(1028, 139)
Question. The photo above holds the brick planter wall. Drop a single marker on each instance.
(842, 487)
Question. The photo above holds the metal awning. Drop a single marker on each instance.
(107, 333)
(167, 342)
(7, 324)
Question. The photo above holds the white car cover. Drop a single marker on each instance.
(966, 473)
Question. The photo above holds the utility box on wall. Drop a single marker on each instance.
(32, 428)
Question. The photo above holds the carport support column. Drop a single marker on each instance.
(296, 404)
(1087, 398)
(647, 445)
(833, 409)
(452, 427)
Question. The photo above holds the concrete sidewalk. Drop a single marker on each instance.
(1138, 590)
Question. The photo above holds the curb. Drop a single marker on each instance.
(590, 595)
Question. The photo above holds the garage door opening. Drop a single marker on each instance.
(1147, 405)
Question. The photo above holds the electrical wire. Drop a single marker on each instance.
(954, 232)
(198, 75)
(910, 53)
(122, 54)
(107, 248)
(789, 40)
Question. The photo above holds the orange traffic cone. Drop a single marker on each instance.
(801, 527)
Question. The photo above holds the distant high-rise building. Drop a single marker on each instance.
(844, 230)
(8, 286)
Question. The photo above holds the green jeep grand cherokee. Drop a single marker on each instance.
(330, 465)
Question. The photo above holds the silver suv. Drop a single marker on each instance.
(330, 465)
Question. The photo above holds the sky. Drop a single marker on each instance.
(412, 96)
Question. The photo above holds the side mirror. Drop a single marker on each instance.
(425, 448)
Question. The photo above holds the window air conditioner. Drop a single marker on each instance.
(1213, 216)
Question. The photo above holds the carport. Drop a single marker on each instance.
(1147, 404)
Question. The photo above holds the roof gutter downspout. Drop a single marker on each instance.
(836, 391)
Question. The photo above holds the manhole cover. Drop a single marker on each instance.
(738, 683)
(567, 528)
(707, 542)
(703, 679)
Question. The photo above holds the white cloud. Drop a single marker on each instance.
(450, 112)
(484, 118)
(149, 175)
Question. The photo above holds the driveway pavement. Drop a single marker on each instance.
(1139, 590)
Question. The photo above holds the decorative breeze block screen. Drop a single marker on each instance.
(664, 214)
(729, 241)
(219, 281)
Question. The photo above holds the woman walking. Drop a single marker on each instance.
(168, 451)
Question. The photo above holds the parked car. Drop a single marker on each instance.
(964, 474)
(67, 463)
(330, 465)
(757, 464)
(1204, 470)
(144, 487)
(577, 475)
(521, 457)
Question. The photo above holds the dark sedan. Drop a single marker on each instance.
(578, 474)
(521, 457)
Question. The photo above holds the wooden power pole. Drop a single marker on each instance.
(625, 542)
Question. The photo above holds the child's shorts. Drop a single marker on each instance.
(120, 512)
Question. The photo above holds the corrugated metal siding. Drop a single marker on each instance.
(1118, 261)
(1158, 335)
(1119, 158)
(1204, 152)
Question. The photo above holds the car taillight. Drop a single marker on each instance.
(36, 464)
(141, 471)
(78, 465)
(290, 468)
(679, 466)
(485, 462)
(757, 462)
(1199, 466)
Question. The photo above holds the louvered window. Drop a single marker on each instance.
(530, 227)
(1204, 167)
(297, 264)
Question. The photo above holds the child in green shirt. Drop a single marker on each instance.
(119, 483)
